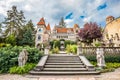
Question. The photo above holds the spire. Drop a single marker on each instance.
(48, 27)
(41, 22)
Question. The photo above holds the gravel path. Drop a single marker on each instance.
(105, 76)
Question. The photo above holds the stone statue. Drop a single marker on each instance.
(23, 57)
(100, 57)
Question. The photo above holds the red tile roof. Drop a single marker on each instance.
(48, 27)
(63, 30)
(41, 22)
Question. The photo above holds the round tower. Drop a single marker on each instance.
(109, 19)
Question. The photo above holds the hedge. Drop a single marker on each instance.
(9, 56)
(108, 58)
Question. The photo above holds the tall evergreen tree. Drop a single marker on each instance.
(28, 38)
(62, 22)
(14, 21)
(0, 28)
(30, 25)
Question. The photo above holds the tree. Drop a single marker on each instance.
(28, 38)
(30, 25)
(11, 39)
(89, 32)
(0, 28)
(14, 21)
(62, 22)
(26, 33)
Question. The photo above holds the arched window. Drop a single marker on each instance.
(39, 37)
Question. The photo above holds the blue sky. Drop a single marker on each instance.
(73, 11)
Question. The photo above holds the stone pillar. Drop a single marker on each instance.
(79, 50)
(100, 58)
(46, 51)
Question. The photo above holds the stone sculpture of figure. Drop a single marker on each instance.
(100, 58)
(23, 57)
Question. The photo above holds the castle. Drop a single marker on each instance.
(112, 31)
(45, 34)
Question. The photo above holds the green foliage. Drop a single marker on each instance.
(112, 65)
(28, 38)
(55, 50)
(11, 39)
(14, 21)
(9, 56)
(29, 25)
(109, 66)
(108, 58)
(54, 44)
(0, 27)
(71, 49)
(4, 45)
(68, 42)
(22, 70)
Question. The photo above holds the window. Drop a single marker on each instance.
(40, 29)
(39, 37)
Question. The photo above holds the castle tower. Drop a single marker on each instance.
(109, 19)
(76, 28)
(41, 28)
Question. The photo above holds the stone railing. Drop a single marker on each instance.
(107, 50)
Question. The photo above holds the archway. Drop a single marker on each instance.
(62, 44)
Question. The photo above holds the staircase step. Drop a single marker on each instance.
(65, 69)
(64, 66)
(64, 63)
(51, 61)
(64, 73)
(63, 59)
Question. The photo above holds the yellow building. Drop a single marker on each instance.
(112, 31)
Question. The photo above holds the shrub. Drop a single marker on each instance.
(4, 45)
(55, 50)
(108, 58)
(22, 70)
(109, 66)
(9, 56)
(68, 42)
(11, 39)
(71, 49)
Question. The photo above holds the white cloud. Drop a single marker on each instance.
(53, 10)
(28, 7)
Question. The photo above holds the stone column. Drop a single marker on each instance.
(46, 51)
(79, 50)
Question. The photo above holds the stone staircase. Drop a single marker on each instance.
(63, 65)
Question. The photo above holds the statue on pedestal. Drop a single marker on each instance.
(23, 57)
(100, 58)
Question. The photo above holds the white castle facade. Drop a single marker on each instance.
(45, 34)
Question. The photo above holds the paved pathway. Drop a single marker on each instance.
(105, 76)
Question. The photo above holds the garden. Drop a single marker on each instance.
(17, 37)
